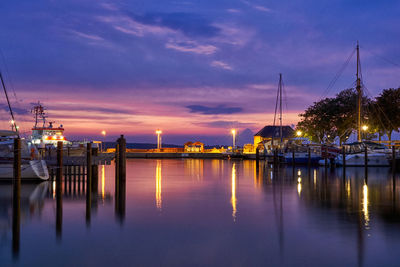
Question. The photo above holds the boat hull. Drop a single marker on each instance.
(33, 170)
(358, 160)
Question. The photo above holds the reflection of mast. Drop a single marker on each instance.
(233, 198)
(279, 212)
(158, 185)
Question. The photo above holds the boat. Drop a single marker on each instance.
(32, 166)
(378, 155)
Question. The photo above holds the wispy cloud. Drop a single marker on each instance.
(220, 109)
(92, 37)
(225, 124)
(262, 8)
(221, 64)
(191, 47)
(233, 10)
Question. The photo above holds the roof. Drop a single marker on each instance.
(274, 131)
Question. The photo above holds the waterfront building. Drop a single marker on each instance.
(269, 133)
(194, 147)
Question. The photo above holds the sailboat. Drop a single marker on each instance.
(378, 155)
(32, 167)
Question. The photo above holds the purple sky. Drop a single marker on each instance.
(194, 69)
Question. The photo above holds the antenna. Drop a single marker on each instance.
(39, 114)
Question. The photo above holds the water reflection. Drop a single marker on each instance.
(158, 185)
(287, 216)
(233, 193)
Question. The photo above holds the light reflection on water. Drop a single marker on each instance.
(286, 216)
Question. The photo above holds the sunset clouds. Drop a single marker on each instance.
(191, 68)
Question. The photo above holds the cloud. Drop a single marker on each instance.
(224, 124)
(191, 47)
(87, 36)
(221, 64)
(262, 8)
(220, 109)
(233, 10)
(16, 110)
(190, 24)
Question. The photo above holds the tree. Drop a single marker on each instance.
(385, 112)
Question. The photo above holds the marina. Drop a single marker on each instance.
(241, 207)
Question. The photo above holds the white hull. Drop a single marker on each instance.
(358, 159)
(36, 169)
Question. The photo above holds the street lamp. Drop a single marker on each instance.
(103, 133)
(364, 128)
(299, 133)
(234, 138)
(158, 132)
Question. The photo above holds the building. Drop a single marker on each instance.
(266, 134)
(194, 147)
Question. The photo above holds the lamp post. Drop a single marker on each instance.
(364, 128)
(299, 133)
(158, 132)
(234, 139)
(103, 133)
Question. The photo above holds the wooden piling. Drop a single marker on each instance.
(116, 161)
(309, 157)
(257, 154)
(16, 219)
(344, 157)
(393, 158)
(88, 182)
(366, 157)
(122, 157)
(59, 160)
(326, 157)
(293, 157)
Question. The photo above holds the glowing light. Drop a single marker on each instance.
(158, 185)
(103, 181)
(299, 180)
(299, 172)
(365, 205)
(233, 198)
(12, 121)
(103, 133)
(158, 132)
(233, 131)
(299, 133)
(299, 188)
(364, 127)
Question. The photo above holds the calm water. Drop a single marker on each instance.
(208, 213)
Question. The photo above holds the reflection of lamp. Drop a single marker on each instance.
(299, 133)
(234, 138)
(233, 198)
(158, 132)
(158, 185)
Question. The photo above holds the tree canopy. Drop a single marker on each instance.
(336, 117)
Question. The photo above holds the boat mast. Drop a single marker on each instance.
(280, 106)
(14, 125)
(359, 92)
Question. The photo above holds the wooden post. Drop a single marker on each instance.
(16, 215)
(59, 160)
(309, 157)
(59, 213)
(393, 158)
(366, 157)
(117, 162)
(122, 157)
(326, 157)
(293, 157)
(257, 154)
(344, 156)
(88, 183)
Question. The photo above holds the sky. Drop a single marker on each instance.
(194, 69)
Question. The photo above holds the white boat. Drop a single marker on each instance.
(32, 166)
(378, 155)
